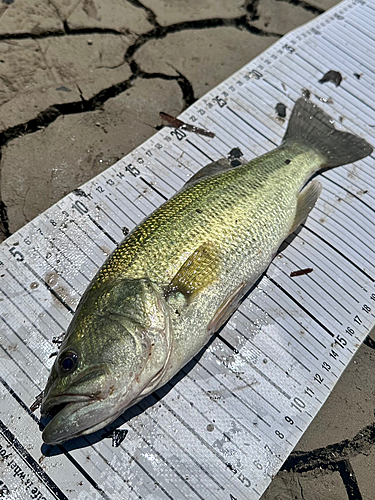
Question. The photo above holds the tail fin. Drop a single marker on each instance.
(309, 125)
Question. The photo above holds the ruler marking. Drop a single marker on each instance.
(31, 463)
(49, 288)
(103, 230)
(313, 300)
(338, 235)
(173, 172)
(312, 263)
(182, 152)
(343, 225)
(91, 239)
(154, 189)
(263, 375)
(197, 148)
(270, 358)
(324, 254)
(17, 398)
(110, 218)
(237, 397)
(16, 362)
(60, 252)
(282, 326)
(32, 323)
(247, 123)
(78, 247)
(351, 194)
(164, 459)
(217, 402)
(55, 270)
(304, 309)
(35, 300)
(134, 223)
(278, 343)
(68, 456)
(184, 450)
(321, 269)
(355, 223)
(340, 253)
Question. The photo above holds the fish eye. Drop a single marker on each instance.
(67, 362)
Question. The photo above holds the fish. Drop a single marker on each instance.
(181, 273)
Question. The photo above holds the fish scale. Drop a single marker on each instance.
(229, 211)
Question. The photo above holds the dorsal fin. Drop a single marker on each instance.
(214, 168)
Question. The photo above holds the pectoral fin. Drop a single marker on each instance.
(197, 272)
(305, 202)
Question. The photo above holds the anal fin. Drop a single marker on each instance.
(306, 202)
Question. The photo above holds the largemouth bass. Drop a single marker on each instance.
(177, 278)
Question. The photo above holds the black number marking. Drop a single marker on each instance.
(4, 490)
(333, 354)
(16, 254)
(279, 434)
(132, 169)
(357, 320)
(81, 207)
(326, 366)
(221, 102)
(298, 403)
(289, 48)
(180, 134)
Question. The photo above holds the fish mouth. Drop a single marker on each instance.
(53, 406)
(72, 416)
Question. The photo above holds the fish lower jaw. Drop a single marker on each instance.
(58, 430)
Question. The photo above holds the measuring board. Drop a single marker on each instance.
(222, 428)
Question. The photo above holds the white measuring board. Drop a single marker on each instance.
(223, 427)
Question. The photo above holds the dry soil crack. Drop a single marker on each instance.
(162, 31)
(150, 15)
(305, 5)
(349, 479)
(335, 457)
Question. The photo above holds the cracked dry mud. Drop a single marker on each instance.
(82, 83)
